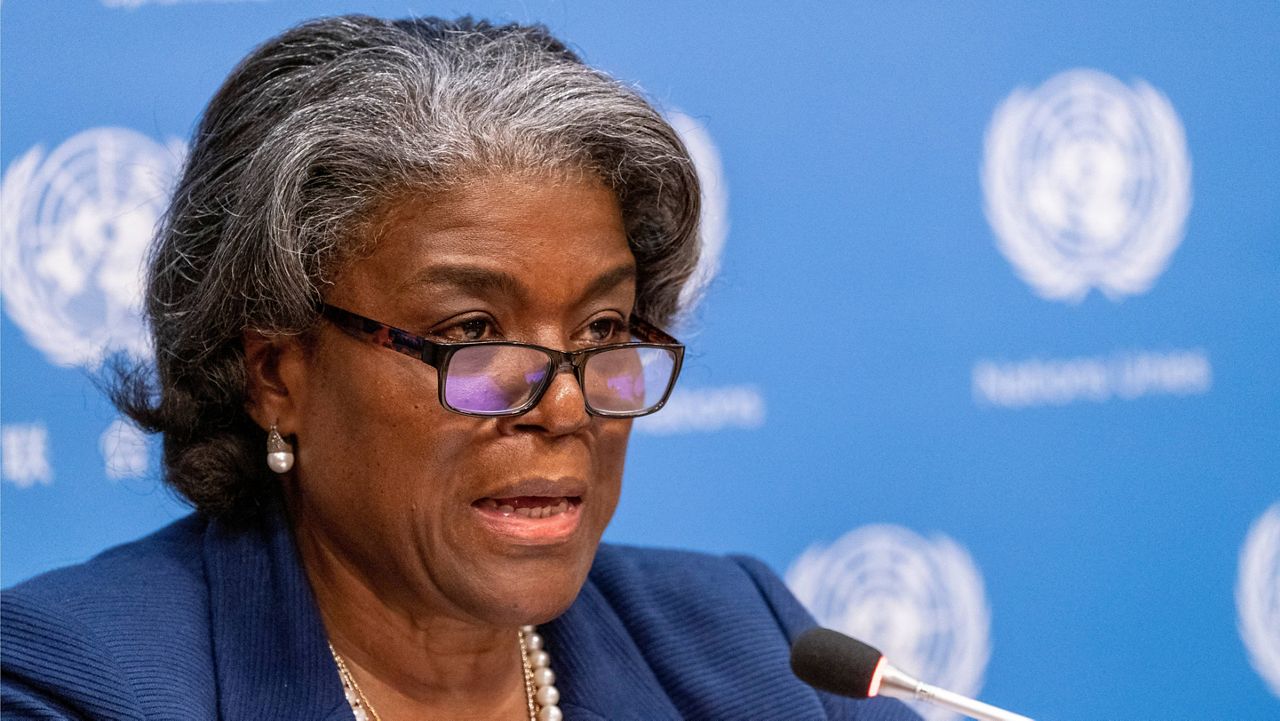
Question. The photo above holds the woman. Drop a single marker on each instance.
(412, 535)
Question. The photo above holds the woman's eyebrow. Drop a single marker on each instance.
(471, 278)
(479, 279)
(609, 280)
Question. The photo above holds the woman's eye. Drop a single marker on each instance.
(469, 329)
(607, 330)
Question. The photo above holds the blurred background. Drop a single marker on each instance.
(987, 358)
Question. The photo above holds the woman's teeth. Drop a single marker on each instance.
(529, 511)
(542, 511)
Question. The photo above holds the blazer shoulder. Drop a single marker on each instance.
(734, 586)
(123, 631)
(737, 582)
(167, 555)
(661, 564)
(708, 623)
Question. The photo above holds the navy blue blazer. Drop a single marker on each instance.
(199, 621)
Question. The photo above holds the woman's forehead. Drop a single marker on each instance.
(502, 235)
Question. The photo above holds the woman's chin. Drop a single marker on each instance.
(536, 608)
(528, 593)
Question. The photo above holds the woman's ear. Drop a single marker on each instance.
(274, 367)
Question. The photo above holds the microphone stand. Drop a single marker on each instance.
(897, 684)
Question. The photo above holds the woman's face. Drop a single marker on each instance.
(411, 495)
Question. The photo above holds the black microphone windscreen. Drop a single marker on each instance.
(831, 661)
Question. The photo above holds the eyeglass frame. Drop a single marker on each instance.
(438, 353)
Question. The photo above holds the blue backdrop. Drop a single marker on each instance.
(1024, 260)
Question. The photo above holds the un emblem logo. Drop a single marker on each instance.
(920, 601)
(75, 228)
(1258, 596)
(1087, 184)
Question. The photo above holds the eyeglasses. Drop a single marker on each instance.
(507, 378)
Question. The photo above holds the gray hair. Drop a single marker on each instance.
(314, 133)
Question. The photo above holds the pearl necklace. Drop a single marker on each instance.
(539, 682)
(539, 679)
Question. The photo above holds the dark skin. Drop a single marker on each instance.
(420, 589)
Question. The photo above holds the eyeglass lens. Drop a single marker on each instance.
(499, 378)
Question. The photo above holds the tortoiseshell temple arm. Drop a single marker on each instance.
(650, 333)
(367, 329)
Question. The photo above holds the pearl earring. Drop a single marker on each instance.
(279, 452)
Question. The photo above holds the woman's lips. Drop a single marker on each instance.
(531, 519)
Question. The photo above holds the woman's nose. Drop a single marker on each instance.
(562, 410)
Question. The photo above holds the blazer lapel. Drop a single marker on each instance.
(270, 650)
(600, 672)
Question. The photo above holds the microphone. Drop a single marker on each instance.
(831, 661)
